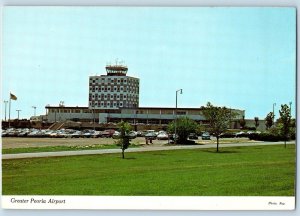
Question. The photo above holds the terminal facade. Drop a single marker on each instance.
(115, 97)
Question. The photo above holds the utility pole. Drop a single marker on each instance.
(5, 102)
(94, 115)
(34, 107)
(175, 138)
(18, 113)
(274, 104)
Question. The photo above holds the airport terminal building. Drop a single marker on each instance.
(115, 96)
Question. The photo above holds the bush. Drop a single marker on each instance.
(184, 127)
(266, 137)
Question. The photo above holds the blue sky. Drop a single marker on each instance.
(236, 57)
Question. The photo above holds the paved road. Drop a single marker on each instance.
(142, 149)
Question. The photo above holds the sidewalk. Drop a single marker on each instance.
(142, 149)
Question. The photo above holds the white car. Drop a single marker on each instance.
(162, 136)
(116, 135)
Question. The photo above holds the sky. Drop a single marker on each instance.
(243, 58)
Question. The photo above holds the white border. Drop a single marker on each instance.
(150, 202)
(235, 3)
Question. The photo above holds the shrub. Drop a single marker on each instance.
(184, 126)
(266, 137)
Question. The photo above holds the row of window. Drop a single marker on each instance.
(115, 97)
(117, 104)
(114, 80)
(69, 111)
(117, 89)
(113, 104)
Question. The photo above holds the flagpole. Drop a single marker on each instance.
(9, 111)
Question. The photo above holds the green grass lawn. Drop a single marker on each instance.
(236, 171)
(60, 148)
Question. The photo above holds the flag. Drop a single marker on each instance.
(13, 97)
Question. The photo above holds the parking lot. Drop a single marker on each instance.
(25, 138)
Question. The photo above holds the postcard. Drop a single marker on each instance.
(166, 108)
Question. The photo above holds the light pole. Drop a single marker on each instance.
(291, 107)
(175, 138)
(5, 102)
(274, 104)
(18, 113)
(34, 107)
(94, 116)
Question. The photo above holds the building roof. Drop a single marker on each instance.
(65, 107)
(140, 108)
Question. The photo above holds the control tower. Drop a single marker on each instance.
(116, 70)
(114, 90)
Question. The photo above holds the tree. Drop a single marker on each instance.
(285, 120)
(124, 140)
(242, 122)
(218, 118)
(256, 119)
(269, 120)
(184, 127)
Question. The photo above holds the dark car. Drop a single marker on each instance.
(193, 136)
(107, 133)
(151, 135)
(227, 135)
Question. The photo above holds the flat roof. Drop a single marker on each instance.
(66, 107)
(139, 108)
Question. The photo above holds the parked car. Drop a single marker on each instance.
(107, 133)
(205, 136)
(132, 134)
(34, 133)
(227, 135)
(241, 134)
(76, 134)
(140, 134)
(96, 134)
(151, 135)
(162, 136)
(116, 135)
(4, 133)
(193, 136)
(23, 134)
(87, 134)
(172, 138)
